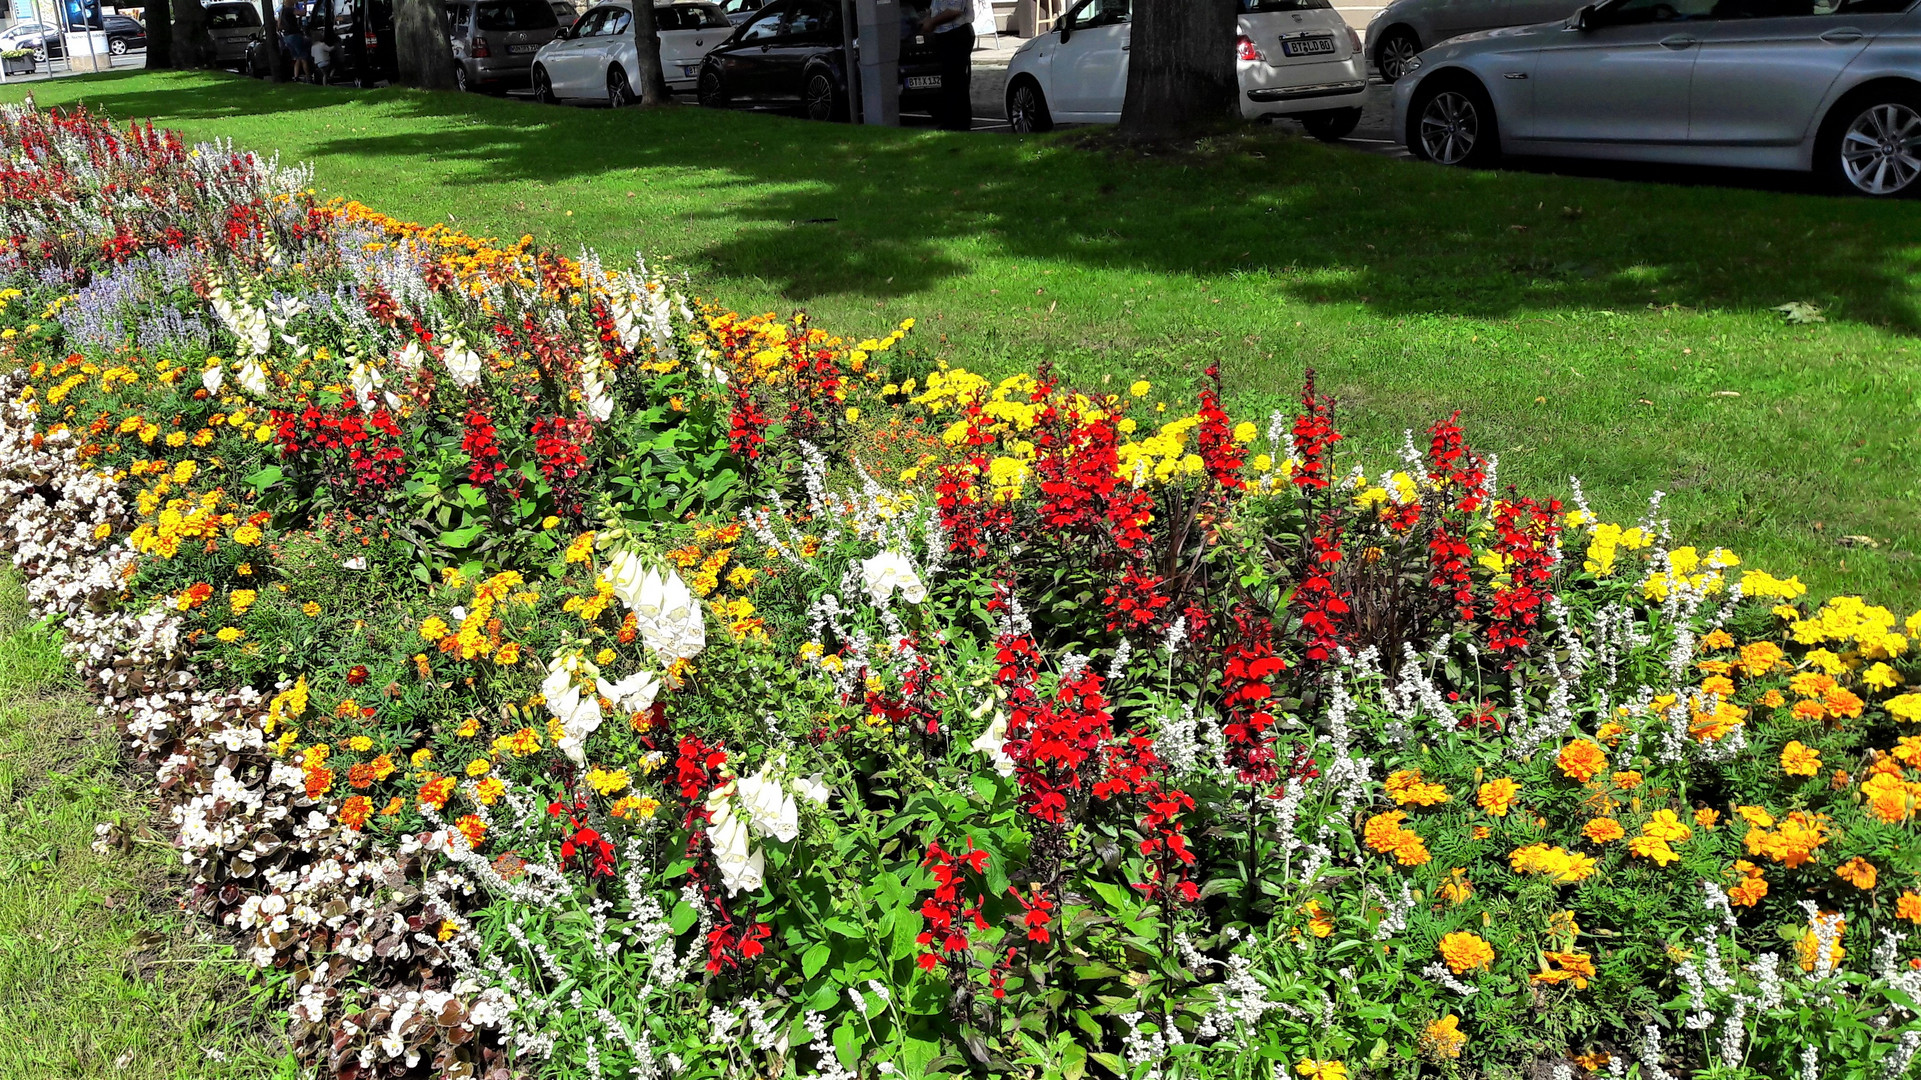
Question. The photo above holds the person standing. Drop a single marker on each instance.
(292, 39)
(951, 22)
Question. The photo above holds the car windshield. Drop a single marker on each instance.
(515, 15)
(232, 16)
(1259, 7)
(691, 17)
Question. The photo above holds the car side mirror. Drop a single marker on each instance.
(1065, 30)
(1584, 18)
(565, 33)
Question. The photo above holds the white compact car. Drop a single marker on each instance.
(595, 60)
(1296, 58)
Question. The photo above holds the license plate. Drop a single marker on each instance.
(689, 70)
(1314, 46)
(923, 82)
(517, 49)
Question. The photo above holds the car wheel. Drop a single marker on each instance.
(1398, 46)
(620, 92)
(1027, 109)
(1332, 125)
(117, 46)
(40, 55)
(711, 91)
(1452, 123)
(822, 98)
(544, 87)
(463, 82)
(1871, 145)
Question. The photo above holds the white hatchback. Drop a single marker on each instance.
(1295, 58)
(596, 58)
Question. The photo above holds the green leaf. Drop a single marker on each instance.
(266, 478)
(1074, 1061)
(847, 1045)
(815, 958)
(460, 538)
(683, 918)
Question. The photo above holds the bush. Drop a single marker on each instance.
(551, 673)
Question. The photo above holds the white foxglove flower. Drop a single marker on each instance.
(462, 363)
(624, 574)
(740, 866)
(579, 714)
(253, 378)
(993, 743)
(409, 357)
(212, 379)
(812, 788)
(633, 693)
(888, 572)
(669, 618)
(768, 803)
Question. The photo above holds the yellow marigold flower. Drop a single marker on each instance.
(1141, 388)
(1563, 866)
(1574, 967)
(547, 523)
(421, 757)
(1464, 951)
(607, 782)
(360, 744)
(1707, 818)
(1442, 1039)
(1628, 780)
(489, 791)
(433, 628)
(1581, 759)
(1405, 787)
(1497, 797)
(1857, 872)
(637, 806)
(1457, 888)
(1603, 830)
(241, 599)
(1907, 707)
(520, 744)
(581, 549)
(1666, 825)
(310, 609)
(1807, 947)
(1798, 760)
(227, 635)
(1313, 1069)
(1319, 922)
(479, 766)
(1881, 677)
(247, 536)
(1649, 847)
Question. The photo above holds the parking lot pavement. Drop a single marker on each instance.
(131, 61)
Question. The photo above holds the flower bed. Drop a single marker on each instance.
(549, 674)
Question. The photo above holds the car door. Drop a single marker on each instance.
(744, 62)
(1767, 65)
(460, 29)
(615, 42)
(1089, 67)
(812, 26)
(1452, 18)
(1623, 78)
(570, 64)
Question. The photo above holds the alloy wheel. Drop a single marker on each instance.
(461, 82)
(1023, 110)
(1396, 51)
(711, 91)
(543, 87)
(619, 93)
(820, 97)
(1450, 126)
(1881, 150)
(118, 46)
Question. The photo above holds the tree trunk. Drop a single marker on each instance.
(192, 46)
(1180, 77)
(426, 55)
(159, 20)
(279, 64)
(650, 82)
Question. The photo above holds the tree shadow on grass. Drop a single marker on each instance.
(836, 209)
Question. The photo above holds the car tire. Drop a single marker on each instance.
(711, 90)
(1397, 47)
(544, 87)
(1027, 111)
(117, 46)
(822, 97)
(1452, 122)
(1870, 144)
(620, 92)
(40, 55)
(1332, 125)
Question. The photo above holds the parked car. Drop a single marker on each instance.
(44, 41)
(494, 41)
(597, 57)
(794, 50)
(1294, 58)
(1399, 31)
(1832, 86)
(565, 11)
(739, 11)
(232, 24)
(124, 34)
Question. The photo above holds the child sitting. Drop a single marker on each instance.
(322, 61)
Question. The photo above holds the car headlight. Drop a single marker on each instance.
(1413, 65)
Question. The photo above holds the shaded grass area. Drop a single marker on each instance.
(1621, 332)
(98, 975)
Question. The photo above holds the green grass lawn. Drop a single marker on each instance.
(1621, 332)
(98, 978)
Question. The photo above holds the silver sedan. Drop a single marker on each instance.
(1831, 86)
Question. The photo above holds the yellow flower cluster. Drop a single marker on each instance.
(1563, 867)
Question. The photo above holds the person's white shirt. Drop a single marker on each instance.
(322, 54)
(942, 6)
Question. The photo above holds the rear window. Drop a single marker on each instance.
(1261, 7)
(691, 17)
(515, 15)
(232, 16)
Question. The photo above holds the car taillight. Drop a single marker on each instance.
(1354, 39)
(372, 39)
(478, 50)
(1244, 50)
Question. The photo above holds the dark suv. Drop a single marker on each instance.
(794, 50)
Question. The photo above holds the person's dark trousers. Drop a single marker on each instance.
(956, 51)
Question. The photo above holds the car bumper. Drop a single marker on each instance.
(504, 68)
(1297, 88)
(1403, 94)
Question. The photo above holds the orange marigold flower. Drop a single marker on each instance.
(1707, 818)
(1406, 787)
(435, 790)
(1442, 1040)
(1809, 711)
(1908, 907)
(1481, 832)
(474, 829)
(1456, 889)
(1810, 684)
(1717, 639)
(1749, 892)
(1798, 760)
(1759, 658)
(1773, 699)
(1628, 780)
(1497, 796)
(1464, 951)
(1649, 847)
(1603, 830)
(1581, 759)
(355, 811)
(1857, 872)
(1842, 702)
